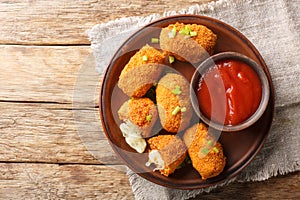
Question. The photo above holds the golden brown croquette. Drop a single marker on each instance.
(140, 111)
(171, 149)
(173, 102)
(206, 154)
(142, 70)
(188, 42)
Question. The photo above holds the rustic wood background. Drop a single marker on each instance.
(42, 47)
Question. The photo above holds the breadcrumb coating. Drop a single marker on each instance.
(209, 164)
(172, 150)
(192, 49)
(140, 111)
(167, 101)
(142, 70)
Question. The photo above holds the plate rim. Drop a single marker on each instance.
(271, 102)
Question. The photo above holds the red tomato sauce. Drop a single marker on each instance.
(230, 92)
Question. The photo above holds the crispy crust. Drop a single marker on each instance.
(137, 110)
(167, 102)
(213, 163)
(138, 75)
(193, 49)
(172, 150)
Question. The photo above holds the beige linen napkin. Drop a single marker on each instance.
(273, 27)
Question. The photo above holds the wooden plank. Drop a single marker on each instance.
(67, 22)
(52, 181)
(281, 187)
(49, 133)
(47, 73)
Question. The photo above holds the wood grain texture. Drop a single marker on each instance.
(52, 181)
(49, 94)
(49, 133)
(45, 74)
(28, 134)
(281, 187)
(67, 22)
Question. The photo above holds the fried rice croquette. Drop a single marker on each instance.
(188, 42)
(171, 149)
(142, 112)
(173, 102)
(207, 156)
(142, 70)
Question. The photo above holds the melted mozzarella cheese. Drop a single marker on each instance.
(133, 136)
(155, 158)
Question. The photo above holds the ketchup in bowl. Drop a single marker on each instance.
(229, 92)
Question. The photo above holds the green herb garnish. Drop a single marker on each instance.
(183, 109)
(176, 90)
(145, 58)
(187, 28)
(210, 142)
(171, 59)
(187, 32)
(216, 149)
(174, 31)
(204, 150)
(148, 118)
(176, 110)
(154, 40)
(193, 33)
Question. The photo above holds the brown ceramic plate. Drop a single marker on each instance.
(239, 147)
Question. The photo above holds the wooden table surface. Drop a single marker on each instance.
(43, 44)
